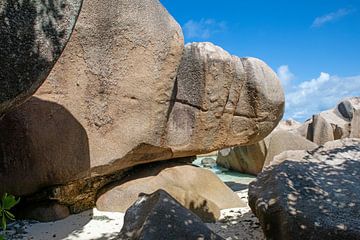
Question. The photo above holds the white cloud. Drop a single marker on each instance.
(203, 29)
(285, 75)
(331, 17)
(319, 94)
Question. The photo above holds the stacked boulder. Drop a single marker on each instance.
(125, 92)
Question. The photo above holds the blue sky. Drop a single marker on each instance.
(314, 46)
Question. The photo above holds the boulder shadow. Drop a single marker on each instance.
(236, 186)
(41, 145)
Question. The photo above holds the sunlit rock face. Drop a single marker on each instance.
(253, 158)
(124, 93)
(116, 78)
(197, 189)
(343, 121)
(33, 34)
(221, 100)
(106, 99)
(310, 195)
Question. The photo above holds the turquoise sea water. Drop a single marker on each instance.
(224, 174)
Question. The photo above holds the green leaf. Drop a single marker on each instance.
(2, 237)
(9, 215)
(3, 199)
(9, 201)
(3, 222)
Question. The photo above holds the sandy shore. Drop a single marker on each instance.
(89, 225)
(237, 223)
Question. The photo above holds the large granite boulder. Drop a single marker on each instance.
(124, 107)
(310, 194)
(282, 141)
(116, 78)
(122, 94)
(253, 158)
(348, 106)
(199, 190)
(245, 159)
(105, 100)
(32, 36)
(337, 123)
(159, 216)
(221, 101)
(355, 124)
(328, 126)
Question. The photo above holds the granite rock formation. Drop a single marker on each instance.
(310, 194)
(33, 34)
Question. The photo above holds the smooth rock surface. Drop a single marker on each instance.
(311, 195)
(33, 34)
(42, 144)
(355, 124)
(245, 159)
(282, 141)
(253, 158)
(197, 189)
(337, 123)
(327, 126)
(159, 216)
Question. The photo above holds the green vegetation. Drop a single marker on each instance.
(7, 203)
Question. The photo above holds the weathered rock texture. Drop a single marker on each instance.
(32, 36)
(311, 195)
(221, 101)
(116, 78)
(253, 158)
(106, 99)
(159, 216)
(197, 189)
(338, 123)
(123, 94)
